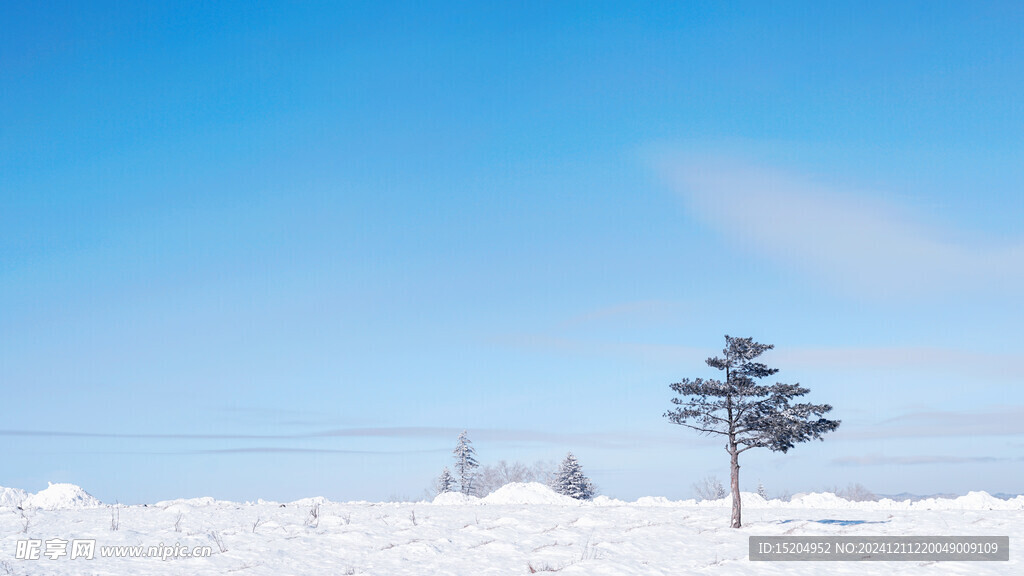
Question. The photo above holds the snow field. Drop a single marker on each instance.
(516, 530)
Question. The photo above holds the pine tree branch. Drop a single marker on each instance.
(699, 429)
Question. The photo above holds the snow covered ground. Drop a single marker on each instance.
(519, 529)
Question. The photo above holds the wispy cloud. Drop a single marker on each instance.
(626, 312)
(854, 240)
(277, 416)
(388, 432)
(1004, 421)
(986, 364)
(141, 436)
(577, 346)
(880, 460)
(997, 367)
(603, 439)
(287, 450)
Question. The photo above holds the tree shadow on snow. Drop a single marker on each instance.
(838, 522)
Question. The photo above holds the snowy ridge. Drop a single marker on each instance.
(828, 500)
(972, 501)
(202, 501)
(310, 501)
(60, 496)
(490, 536)
(603, 500)
(533, 493)
(662, 501)
(11, 497)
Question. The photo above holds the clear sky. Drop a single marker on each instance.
(251, 250)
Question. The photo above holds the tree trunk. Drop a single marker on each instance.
(735, 481)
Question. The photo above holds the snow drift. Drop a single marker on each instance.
(509, 494)
(455, 499)
(11, 496)
(528, 493)
(60, 496)
(516, 530)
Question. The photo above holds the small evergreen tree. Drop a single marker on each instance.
(445, 483)
(570, 480)
(760, 490)
(465, 463)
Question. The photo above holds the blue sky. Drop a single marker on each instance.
(275, 251)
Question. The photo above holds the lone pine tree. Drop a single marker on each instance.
(748, 414)
(465, 463)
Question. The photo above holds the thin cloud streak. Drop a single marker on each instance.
(640, 350)
(388, 432)
(286, 450)
(74, 434)
(996, 366)
(1000, 366)
(631, 312)
(853, 241)
(997, 422)
(609, 440)
(879, 460)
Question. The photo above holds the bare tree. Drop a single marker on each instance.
(749, 415)
(855, 493)
(115, 517)
(514, 472)
(543, 471)
(494, 476)
(313, 519)
(709, 488)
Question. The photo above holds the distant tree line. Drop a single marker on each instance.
(471, 479)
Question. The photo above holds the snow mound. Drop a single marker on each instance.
(1015, 503)
(455, 498)
(201, 501)
(819, 500)
(751, 500)
(654, 501)
(528, 493)
(179, 508)
(603, 500)
(60, 496)
(972, 501)
(12, 496)
(311, 501)
(979, 501)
